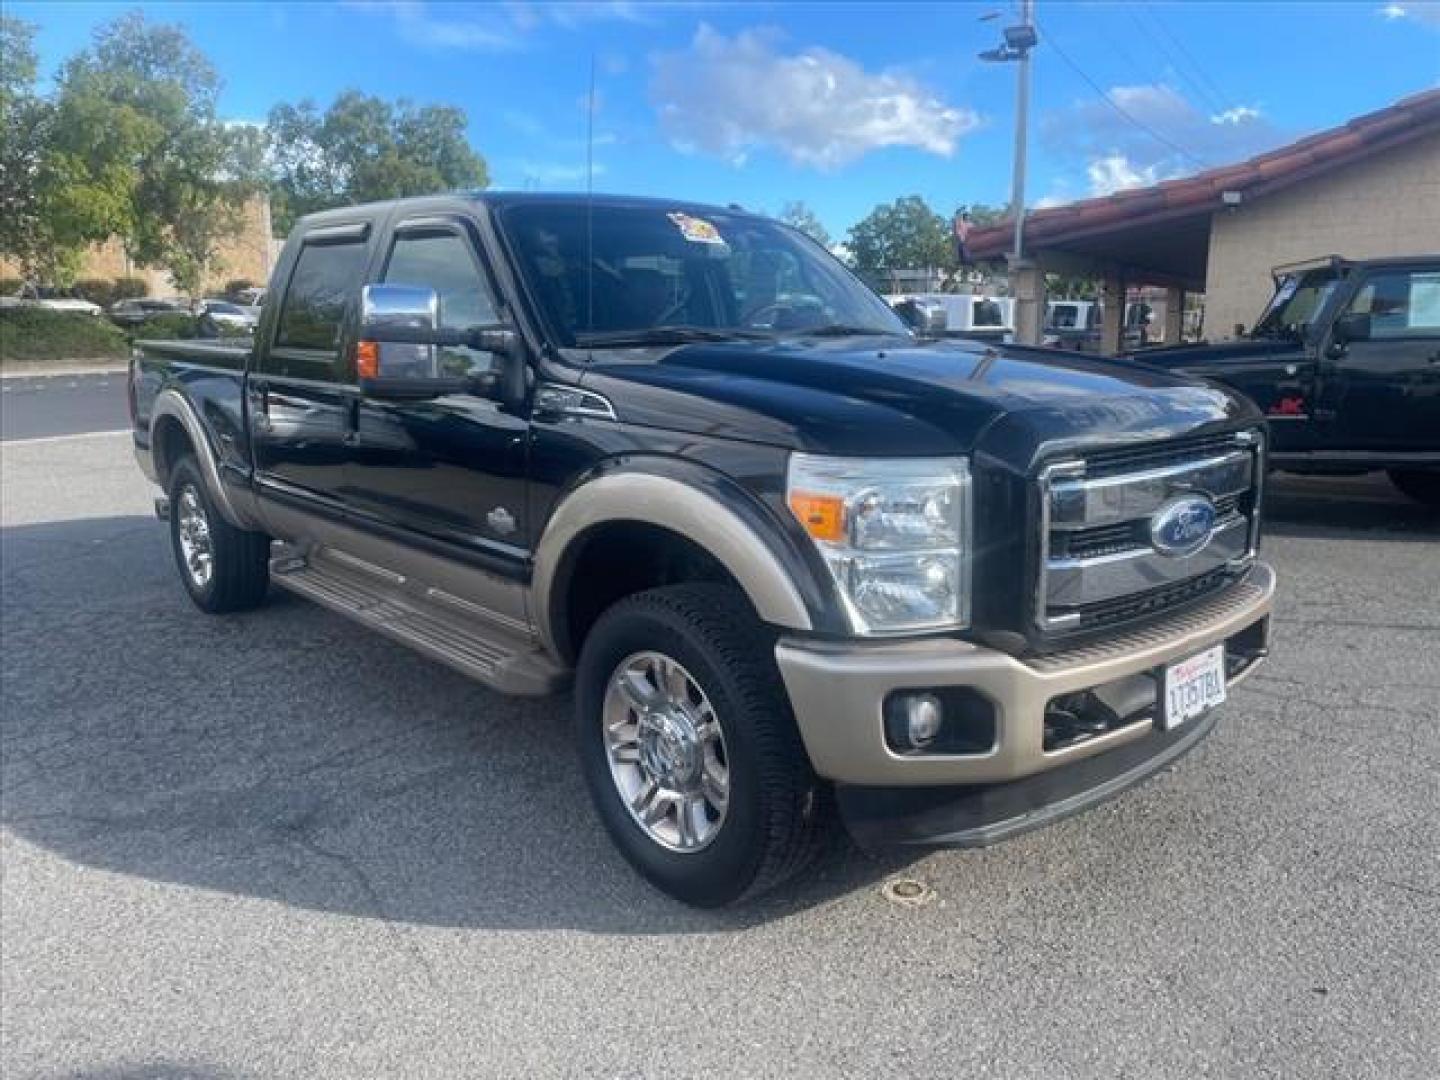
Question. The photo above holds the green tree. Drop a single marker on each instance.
(903, 235)
(29, 181)
(362, 149)
(800, 216)
(143, 152)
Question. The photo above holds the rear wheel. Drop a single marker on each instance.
(223, 568)
(689, 748)
(1421, 485)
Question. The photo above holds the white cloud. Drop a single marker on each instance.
(494, 27)
(731, 96)
(1421, 11)
(1238, 115)
(460, 27)
(1119, 151)
(546, 174)
(1116, 172)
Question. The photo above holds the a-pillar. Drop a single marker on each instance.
(1112, 329)
(1027, 286)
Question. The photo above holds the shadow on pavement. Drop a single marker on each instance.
(1366, 507)
(289, 755)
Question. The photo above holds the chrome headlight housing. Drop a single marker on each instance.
(894, 534)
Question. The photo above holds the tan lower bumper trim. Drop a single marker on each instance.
(837, 691)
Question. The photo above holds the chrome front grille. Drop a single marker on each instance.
(1100, 563)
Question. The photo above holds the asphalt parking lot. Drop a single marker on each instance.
(275, 845)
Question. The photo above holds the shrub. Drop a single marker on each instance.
(169, 326)
(9, 286)
(131, 288)
(96, 290)
(32, 335)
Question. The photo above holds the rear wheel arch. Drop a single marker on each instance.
(169, 442)
(176, 431)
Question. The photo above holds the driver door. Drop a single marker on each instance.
(449, 471)
(1383, 393)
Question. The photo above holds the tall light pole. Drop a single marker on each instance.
(1020, 40)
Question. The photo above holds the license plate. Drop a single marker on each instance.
(1193, 685)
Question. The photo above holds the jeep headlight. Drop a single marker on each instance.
(894, 533)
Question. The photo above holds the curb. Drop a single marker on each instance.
(40, 371)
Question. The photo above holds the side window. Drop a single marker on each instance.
(325, 278)
(443, 261)
(1401, 303)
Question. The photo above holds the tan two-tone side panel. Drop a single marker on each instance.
(237, 508)
(687, 511)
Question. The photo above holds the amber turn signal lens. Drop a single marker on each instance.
(367, 359)
(822, 515)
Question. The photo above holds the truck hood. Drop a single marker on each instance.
(892, 396)
(1199, 358)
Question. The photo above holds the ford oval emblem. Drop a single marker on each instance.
(1183, 526)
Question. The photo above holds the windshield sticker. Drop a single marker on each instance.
(696, 230)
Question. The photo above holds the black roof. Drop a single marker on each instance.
(503, 199)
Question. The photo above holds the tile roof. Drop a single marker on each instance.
(1402, 122)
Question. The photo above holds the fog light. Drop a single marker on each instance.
(923, 716)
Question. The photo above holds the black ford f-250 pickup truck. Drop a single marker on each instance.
(1345, 364)
(792, 560)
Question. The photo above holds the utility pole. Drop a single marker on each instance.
(1026, 278)
(1022, 123)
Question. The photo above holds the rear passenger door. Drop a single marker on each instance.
(450, 471)
(302, 395)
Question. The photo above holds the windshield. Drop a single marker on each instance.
(221, 307)
(654, 274)
(1297, 298)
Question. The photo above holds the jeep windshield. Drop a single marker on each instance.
(614, 276)
(1297, 299)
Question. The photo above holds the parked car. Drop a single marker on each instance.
(969, 316)
(221, 318)
(49, 299)
(1345, 364)
(791, 560)
(136, 311)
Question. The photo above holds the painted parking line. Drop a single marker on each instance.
(68, 438)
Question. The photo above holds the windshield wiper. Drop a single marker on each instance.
(844, 330)
(668, 335)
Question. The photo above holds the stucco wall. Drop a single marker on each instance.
(1388, 205)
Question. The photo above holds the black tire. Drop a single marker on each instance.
(1421, 485)
(778, 811)
(239, 574)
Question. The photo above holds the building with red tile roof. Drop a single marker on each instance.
(1369, 188)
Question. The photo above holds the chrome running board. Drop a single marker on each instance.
(443, 628)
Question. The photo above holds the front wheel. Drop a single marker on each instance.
(223, 568)
(689, 747)
(1421, 485)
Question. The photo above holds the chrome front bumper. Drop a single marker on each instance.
(838, 690)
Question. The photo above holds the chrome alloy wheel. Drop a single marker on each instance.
(193, 528)
(666, 751)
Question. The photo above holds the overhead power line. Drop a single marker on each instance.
(1168, 57)
(1226, 102)
(1049, 39)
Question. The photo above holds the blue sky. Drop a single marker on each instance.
(841, 105)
